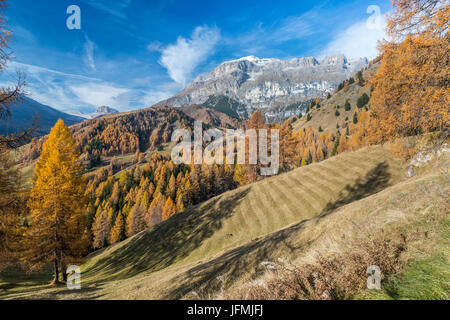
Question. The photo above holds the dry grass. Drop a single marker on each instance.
(405, 232)
(314, 216)
(338, 276)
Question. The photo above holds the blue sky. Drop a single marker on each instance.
(131, 54)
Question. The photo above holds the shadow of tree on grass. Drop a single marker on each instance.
(168, 242)
(246, 259)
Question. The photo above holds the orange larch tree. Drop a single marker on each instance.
(57, 205)
(411, 87)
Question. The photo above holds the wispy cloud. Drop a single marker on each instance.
(291, 28)
(34, 70)
(65, 91)
(161, 93)
(184, 56)
(99, 94)
(114, 8)
(154, 46)
(22, 34)
(358, 40)
(262, 38)
(89, 53)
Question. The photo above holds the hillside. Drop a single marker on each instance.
(212, 117)
(209, 240)
(226, 105)
(262, 175)
(24, 114)
(333, 111)
(143, 130)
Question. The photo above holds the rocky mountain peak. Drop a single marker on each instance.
(335, 60)
(105, 110)
(268, 84)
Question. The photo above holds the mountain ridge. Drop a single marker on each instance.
(267, 84)
(99, 112)
(28, 110)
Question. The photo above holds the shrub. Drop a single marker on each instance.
(359, 75)
(347, 106)
(363, 100)
(338, 276)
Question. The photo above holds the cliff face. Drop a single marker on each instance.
(268, 84)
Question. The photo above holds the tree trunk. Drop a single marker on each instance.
(63, 272)
(56, 272)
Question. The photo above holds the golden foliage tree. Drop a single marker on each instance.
(411, 94)
(169, 209)
(101, 228)
(135, 219)
(239, 175)
(287, 147)
(358, 131)
(256, 121)
(172, 187)
(180, 201)
(154, 213)
(10, 208)
(342, 144)
(118, 231)
(57, 204)
(11, 196)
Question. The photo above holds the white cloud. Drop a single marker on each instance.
(101, 94)
(161, 93)
(154, 46)
(35, 70)
(263, 39)
(292, 28)
(152, 97)
(181, 58)
(358, 40)
(23, 34)
(65, 91)
(89, 53)
(48, 86)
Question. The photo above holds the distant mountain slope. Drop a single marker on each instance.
(101, 111)
(340, 108)
(23, 115)
(226, 105)
(130, 132)
(268, 83)
(212, 117)
(122, 133)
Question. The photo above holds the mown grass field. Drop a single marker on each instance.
(318, 208)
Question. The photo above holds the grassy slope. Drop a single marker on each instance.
(232, 233)
(426, 277)
(325, 116)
